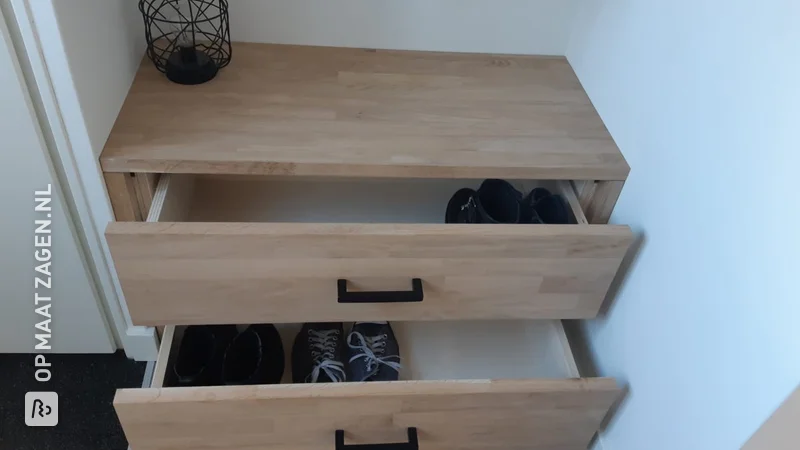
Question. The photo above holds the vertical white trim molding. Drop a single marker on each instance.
(62, 112)
(100, 334)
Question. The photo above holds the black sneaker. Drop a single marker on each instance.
(374, 352)
(255, 356)
(318, 354)
(199, 358)
(495, 201)
(541, 206)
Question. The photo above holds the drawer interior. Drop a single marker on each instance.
(260, 199)
(471, 385)
(541, 406)
(210, 253)
(515, 349)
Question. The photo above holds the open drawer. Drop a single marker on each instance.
(464, 385)
(251, 249)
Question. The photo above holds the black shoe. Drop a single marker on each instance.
(541, 206)
(318, 354)
(462, 207)
(199, 358)
(495, 201)
(255, 356)
(374, 352)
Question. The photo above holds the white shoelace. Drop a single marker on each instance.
(323, 346)
(372, 348)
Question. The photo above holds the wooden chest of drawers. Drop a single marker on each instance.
(302, 175)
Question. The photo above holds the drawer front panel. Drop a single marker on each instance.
(483, 414)
(202, 273)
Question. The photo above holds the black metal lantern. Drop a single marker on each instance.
(188, 40)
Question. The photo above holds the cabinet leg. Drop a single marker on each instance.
(131, 194)
(598, 198)
(145, 185)
(121, 189)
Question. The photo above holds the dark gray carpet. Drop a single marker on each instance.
(85, 385)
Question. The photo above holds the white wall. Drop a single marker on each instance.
(77, 320)
(85, 55)
(499, 26)
(102, 62)
(703, 98)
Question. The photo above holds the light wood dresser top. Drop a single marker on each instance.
(323, 111)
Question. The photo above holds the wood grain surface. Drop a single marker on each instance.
(475, 414)
(598, 198)
(146, 184)
(200, 273)
(321, 111)
(121, 188)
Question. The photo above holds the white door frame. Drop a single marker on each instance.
(86, 328)
(57, 105)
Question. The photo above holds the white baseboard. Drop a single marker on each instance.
(147, 381)
(141, 343)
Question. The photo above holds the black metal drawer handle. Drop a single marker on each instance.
(414, 295)
(412, 443)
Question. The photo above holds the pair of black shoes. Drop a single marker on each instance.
(211, 355)
(321, 354)
(497, 201)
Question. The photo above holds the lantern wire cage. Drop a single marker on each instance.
(173, 25)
